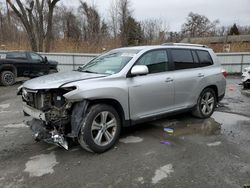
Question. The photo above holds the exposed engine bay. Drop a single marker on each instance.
(52, 115)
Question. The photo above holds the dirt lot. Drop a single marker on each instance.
(201, 153)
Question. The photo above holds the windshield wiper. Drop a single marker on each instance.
(87, 71)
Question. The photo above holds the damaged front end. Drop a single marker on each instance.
(52, 114)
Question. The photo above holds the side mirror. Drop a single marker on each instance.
(139, 70)
(45, 59)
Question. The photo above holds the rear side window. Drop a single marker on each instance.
(183, 59)
(16, 55)
(205, 58)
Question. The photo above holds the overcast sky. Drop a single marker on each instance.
(174, 12)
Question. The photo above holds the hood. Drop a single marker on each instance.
(58, 79)
(52, 62)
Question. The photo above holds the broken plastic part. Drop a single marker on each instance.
(165, 142)
(41, 133)
(77, 117)
(168, 130)
(61, 141)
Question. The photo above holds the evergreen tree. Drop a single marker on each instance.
(234, 30)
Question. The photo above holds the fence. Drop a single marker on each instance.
(234, 62)
(231, 62)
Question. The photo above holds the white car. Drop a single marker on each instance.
(246, 78)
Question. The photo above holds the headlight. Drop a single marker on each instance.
(19, 90)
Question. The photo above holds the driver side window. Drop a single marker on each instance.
(156, 61)
(36, 57)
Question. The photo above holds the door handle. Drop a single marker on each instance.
(169, 79)
(200, 75)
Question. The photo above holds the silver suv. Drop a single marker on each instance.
(122, 88)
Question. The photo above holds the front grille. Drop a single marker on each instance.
(36, 99)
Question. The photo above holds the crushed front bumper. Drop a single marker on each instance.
(36, 114)
(41, 133)
(37, 125)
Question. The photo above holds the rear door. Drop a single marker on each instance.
(20, 61)
(151, 94)
(187, 76)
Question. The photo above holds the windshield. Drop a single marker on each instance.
(109, 63)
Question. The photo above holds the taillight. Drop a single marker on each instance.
(224, 72)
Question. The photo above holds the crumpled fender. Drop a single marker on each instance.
(78, 114)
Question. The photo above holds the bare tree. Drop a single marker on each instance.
(92, 25)
(114, 19)
(198, 25)
(124, 14)
(68, 23)
(33, 20)
(154, 30)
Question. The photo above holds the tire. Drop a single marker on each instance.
(206, 104)
(95, 136)
(7, 78)
(246, 85)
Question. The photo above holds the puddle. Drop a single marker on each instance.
(227, 124)
(41, 164)
(188, 126)
(131, 139)
(162, 173)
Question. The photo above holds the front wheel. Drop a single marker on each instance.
(100, 129)
(205, 104)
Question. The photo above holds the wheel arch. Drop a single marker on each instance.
(116, 105)
(215, 88)
(8, 67)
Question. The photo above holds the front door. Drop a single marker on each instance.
(151, 94)
(38, 66)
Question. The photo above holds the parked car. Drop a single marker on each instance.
(246, 78)
(122, 88)
(24, 64)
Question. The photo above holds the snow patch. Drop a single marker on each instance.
(131, 139)
(41, 164)
(3, 111)
(19, 125)
(162, 173)
(140, 180)
(214, 144)
(4, 106)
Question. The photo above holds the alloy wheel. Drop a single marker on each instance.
(104, 128)
(207, 103)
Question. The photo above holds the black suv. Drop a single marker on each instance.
(24, 64)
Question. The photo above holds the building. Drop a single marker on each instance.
(231, 43)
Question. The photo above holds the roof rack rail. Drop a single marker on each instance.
(185, 44)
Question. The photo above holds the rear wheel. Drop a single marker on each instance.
(246, 85)
(205, 104)
(100, 129)
(7, 78)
